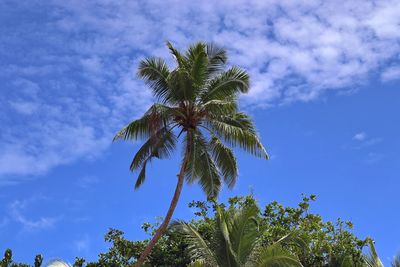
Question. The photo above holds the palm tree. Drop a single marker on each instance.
(396, 261)
(197, 102)
(372, 259)
(235, 241)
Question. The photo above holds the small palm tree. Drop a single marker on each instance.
(235, 241)
(372, 259)
(197, 101)
(396, 261)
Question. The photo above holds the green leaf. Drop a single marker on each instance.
(198, 64)
(225, 160)
(218, 108)
(244, 233)
(201, 166)
(155, 72)
(142, 175)
(276, 256)
(156, 117)
(372, 259)
(227, 84)
(234, 134)
(197, 246)
(180, 59)
(160, 145)
(216, 58)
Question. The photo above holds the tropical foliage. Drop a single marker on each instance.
(8, 261)
(396, 261)
(236, 240)
(243, 234)
(196, 102)
(306, 237)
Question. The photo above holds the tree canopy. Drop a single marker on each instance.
(296, 232)
(314, 241)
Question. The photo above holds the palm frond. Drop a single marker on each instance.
(207, 172)
(193, 157)
(396, 261)
(198, 263)
(225, 160)
(155, 73)
(181, 86)
(137, 129)
(222, 239)
(180, 59)
(198, 63)
(227, 84)
(156, 117)
(201, 166)
(234, 134)
(142, 175)
(216, 58)
(197, 246)
(295, 239)
(346, 261)
(244, 233)
(159, 145)
(276, 256)
(220, 107)
(372, 259)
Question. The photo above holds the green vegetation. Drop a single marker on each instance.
(241, 233)
(7, 260)
(197, 102)
(235, 238)
(289, 233)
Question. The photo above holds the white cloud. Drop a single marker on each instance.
(364, 142)
(16, 213)
(48, 145)
(87, 181)
(78, 84)
(92, 64)
(373, 157)
(390, 74)
(82, 245)
(24, 107)
(360, 136)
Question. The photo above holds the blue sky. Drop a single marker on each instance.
(325, 97)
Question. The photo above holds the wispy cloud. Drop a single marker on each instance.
(364, 140)
(24, 107)
(374, 157)
(70, 83)
(391, 73)
(16, 214)
(87, 181)
(82, 245)
(360, 136)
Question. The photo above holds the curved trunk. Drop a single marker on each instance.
(163, 227)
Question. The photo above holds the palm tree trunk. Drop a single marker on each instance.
(163, 227)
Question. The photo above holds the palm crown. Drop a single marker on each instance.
(236, 240)
(197, 99)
